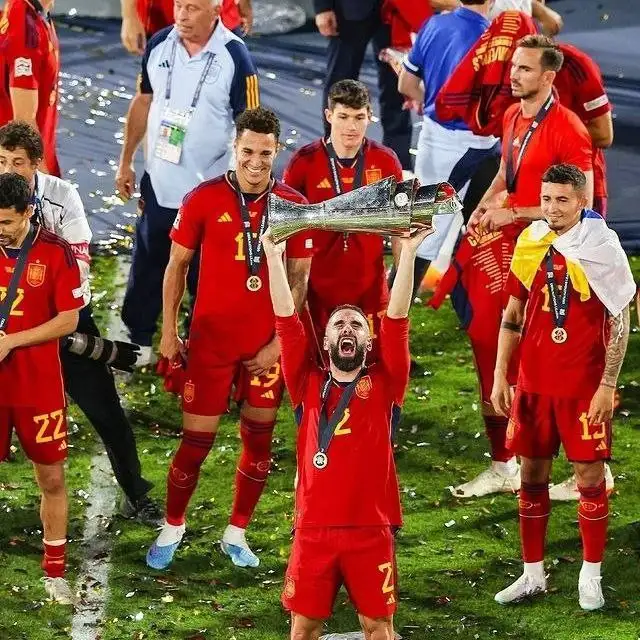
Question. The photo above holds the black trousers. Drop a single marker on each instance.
(346, 53)
(92, 387)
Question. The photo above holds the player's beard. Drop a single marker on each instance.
(347, 363)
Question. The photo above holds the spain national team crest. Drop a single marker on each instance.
(373, 175)
(189, 391)
(289, 588)
(363, 388)
(35, 274)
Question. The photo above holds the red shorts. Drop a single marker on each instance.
(207, 391)
(539, 424)
(323, 559)
(42, 433)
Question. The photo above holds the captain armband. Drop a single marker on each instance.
(511, 326)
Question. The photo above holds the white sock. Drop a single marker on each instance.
(534, 570)
(234, 535)
(508, 469)
(590, 569)
(170, 534)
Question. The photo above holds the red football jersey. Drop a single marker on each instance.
(50, 284)
(158, 14)
(29, 53)
(230, 323)
(360, 261)
(574, 368)
(359, 485)
(580, 88)
(560, 138)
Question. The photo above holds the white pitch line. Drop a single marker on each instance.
(97, 541)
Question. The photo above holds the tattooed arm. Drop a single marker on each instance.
(601, 408)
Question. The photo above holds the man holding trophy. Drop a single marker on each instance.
(347, 412)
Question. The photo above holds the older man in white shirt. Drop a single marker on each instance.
(197, 76)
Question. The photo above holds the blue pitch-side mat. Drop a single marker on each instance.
(99, 78)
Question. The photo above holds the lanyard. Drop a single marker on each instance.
(36, 201)
(203, 77)
(253, 250)
(335, 171)
(559, 300)
(511, 172)
(326, 427)
(335, 176)
(7, 303)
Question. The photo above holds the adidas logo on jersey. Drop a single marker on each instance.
(164, 64)
(225, 217)
(269, 395)
(324, 184)
(602, 446)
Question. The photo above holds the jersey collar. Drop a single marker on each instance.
(272, 183)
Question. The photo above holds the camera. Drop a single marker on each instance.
(116, 354)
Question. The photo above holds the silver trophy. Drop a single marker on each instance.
(386, 207)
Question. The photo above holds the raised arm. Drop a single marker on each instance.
(294, 347)
(508, 340)
(402, 290)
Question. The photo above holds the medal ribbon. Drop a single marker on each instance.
(326, 427)
(511, 172)
(559, 301)
(36, 201)
(335, 171)
(253, 251)
(7, 303)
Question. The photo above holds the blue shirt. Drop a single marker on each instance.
(231, 86)
(442, 42)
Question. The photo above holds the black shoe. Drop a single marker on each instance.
(416, 370)
(144, 510)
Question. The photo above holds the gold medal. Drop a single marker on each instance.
(254, 283)
(559, 335)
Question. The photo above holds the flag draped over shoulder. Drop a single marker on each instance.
(595, 259)
(479, 90)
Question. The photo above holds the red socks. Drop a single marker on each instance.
(593, 518)
(534, 507)
(53, 563)
(496, 430)
(253, 469)
(184, 472)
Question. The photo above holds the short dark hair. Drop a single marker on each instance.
(260, 120)
(15, 192)
(566, 174)
(16, 134)
(552, 56)
(477, 2)
(342, 307)
(349, 93)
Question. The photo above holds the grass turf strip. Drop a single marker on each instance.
(452, 555)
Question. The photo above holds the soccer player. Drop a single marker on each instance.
(570, 286)
(232, 338)
(538, 132)
(29, 67)
(41, 295)
(347, 498)
(142, 18)
(59, 209)
(323, 169)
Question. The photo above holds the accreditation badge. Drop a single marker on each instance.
(173, 130)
